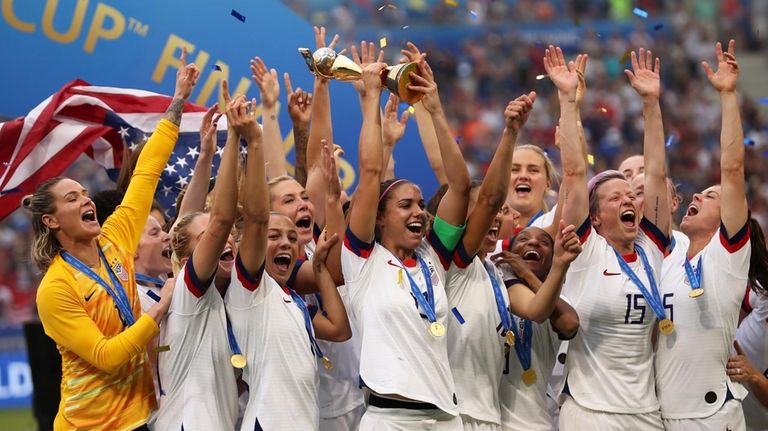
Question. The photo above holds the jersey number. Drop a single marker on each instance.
(636, 302)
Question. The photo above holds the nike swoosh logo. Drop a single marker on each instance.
(606, 273)
(88, 297)
(394, 264)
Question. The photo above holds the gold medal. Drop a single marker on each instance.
(237, 360)
(327, 363)
(159, 349)
(666, 327)
(437, 329)
(529, 376)
(695, 293)
(510, 338)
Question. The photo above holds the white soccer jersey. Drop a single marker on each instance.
(281, 369)
(690, 363)
(195, 374)
(475, 342)
(609, 366)
(753, 337)
(525, 407)
(149, 296)
(399, 355)
(339, 391)
(679, 245)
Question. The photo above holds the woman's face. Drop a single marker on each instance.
(535, 246)
(403, 221)
(196, 228)
(153, 256)
(75, 214)
(291, 199)
(528, 182)
(282, 248)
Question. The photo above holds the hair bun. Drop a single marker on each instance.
(26, 202)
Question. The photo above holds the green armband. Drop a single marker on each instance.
(447, 233)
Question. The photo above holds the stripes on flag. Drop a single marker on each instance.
(101, 122)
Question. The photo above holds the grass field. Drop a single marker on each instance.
(17, 420)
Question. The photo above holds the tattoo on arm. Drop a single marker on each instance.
(173, 114)
(656, 212)
(300, 139)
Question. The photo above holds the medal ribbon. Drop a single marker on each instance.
(534, 218)
(307, 321)
(147, 279)
(427, 305)
(506, 318)
(693, 277)
(116, 291)
(233, 346)
(523, 342)
(653, 298)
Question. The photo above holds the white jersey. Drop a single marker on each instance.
(339, 392)
(149, 296)
(540, 220)
(525, 407)
(195, 374)
(281, 370)
(690, 363)
(399, 355)
(679, 248)
(753, 337)
(609, 367)
(475, 342)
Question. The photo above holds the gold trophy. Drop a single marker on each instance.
(327, 63)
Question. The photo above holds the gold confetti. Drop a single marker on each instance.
(452, 3)
(391, 6)
(590, 159)
(602, 109)
(625, 56)
(540, 77)
(400, 276)
(382, 42)
(411, 110)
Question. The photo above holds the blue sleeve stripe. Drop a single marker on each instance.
(292, 278)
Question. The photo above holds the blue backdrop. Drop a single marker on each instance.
(133, 44)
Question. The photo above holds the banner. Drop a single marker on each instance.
(15, 380)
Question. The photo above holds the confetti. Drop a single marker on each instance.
(590, 159)
(405, 27)
(669, 141)
(540, 77)
(452, 3)
(602, 109)
(458, 139)
(391, 6)
(383, 42)
(749, 142)
(411, 109)
(625, 57)
(473, 14)
(238, 15)
(382, 8)
(658, 27)
(639, 12)
(216, 67)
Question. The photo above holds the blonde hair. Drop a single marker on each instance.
(275, 181)
(180, 239)
(45, 246)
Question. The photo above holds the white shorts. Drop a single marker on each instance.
(347, 422)
(476, 425)
(729, 417)
(392, 419)
(574, 417)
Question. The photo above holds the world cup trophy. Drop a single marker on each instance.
(327, 63)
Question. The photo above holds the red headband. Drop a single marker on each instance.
(389, 187)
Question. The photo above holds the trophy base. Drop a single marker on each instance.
(397, 79)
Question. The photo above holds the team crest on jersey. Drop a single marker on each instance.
(433, 275)
(120, 272)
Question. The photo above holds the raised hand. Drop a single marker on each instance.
(186, 77)
(208, 130)
(364, 57)
(567, 244)
(266, 79)
(372, 77)
(330, 172)
(299, 103)
(645, 79)
(581, 69)
(562, 74)
(516, 113)
(392, 129)
(424, 83)
(412, 54)
(724, 80)
(320, 38)
(239, 118)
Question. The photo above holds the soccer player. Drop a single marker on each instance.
(750, 365)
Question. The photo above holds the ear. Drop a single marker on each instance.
(595, 220)
(50, 221)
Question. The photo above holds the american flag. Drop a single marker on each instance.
(101, 122)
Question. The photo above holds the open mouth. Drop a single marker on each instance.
(523, 189)
(692, 210)
(304, 222)
(532, 255)
(166, 253)
(415, 227)
(493, 233)
(89, 216)
(227, 255)
(628, 218)
(282, 261)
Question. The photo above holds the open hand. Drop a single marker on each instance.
(392, 129)
(186, 77)
(363, 58)
(562, 74)
(299, 103)
(269, 87)
(645, 79)
(208, 130)
(581, 69)
(330, 172)
(724, 80)
(239, 119)
(412, 54)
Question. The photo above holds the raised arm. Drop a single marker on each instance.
(453, 206)
(300, 110)
(575, 197)
(733, 199)
(493, 191)
(393, 130)
(205, 257)
(197, 190)
(333, 324)
(321, 127)
(269, 88)
(362, 218)
(647, 83)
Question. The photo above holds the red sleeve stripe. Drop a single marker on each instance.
(584, 230)
(460, 256)
(442, 251)
(657, 236)
(194, 285)
(736, 242)
(355, 245)
(248, 281)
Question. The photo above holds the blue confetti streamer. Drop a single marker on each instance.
(9, 191)
(238, 15)
(216, 67)
(658, 27)
(473, 14)
(749, 142)
(639, 12)
(670, 141)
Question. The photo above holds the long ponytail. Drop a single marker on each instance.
(45, 246)
(758, 262)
